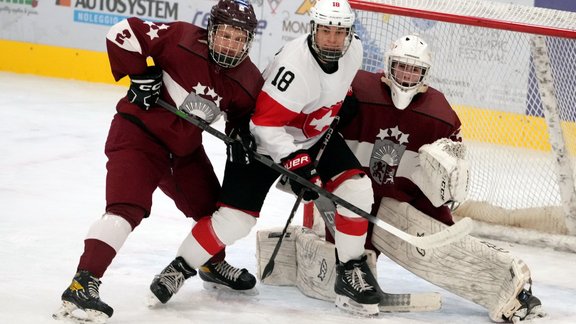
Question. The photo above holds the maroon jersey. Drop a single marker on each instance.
(386, 139)
(180, 50)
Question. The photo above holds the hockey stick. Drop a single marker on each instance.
(446, 236)
(270, 265)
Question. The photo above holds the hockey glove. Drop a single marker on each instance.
(302, 164)
(145, 88)
(241, 151)
(443, 175)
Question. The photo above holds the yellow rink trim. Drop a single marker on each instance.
(477, 124)
(58, 62)
(510, 129)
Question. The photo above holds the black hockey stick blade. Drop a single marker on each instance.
(449, 235)
(270, 265)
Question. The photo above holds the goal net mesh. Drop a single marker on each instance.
(519, 124)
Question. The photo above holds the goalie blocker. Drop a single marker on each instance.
(308, 262)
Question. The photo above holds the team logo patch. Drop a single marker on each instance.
(203, 102)
(386, 154)
(384, 161)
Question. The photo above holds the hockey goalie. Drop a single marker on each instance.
(407, 138)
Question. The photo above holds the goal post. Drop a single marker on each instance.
(509, 71)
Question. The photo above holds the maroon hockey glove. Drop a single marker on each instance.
(145, 88)
(302, 164)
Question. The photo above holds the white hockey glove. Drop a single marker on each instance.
(443, 175)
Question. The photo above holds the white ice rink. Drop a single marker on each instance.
(52, 172)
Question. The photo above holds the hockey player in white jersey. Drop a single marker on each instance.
(304, 89)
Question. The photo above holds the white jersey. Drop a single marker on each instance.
(299, 100)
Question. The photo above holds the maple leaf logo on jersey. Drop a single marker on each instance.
(203, 102)
(154, 29)
(386, 154)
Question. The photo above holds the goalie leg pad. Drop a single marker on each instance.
(284, 273)
(498, 277)
(315, 272)
(316, 261)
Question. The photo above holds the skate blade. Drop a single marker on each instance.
(415, 302)
(223, 288)
(349, 306)
(68, 312)
(151, 301)
(535, 314)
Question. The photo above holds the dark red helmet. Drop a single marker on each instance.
(228, 18)
(238, 13)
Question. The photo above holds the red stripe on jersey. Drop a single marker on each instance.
(204, 234)
(334, 183)
(270, 112)
(351, 225)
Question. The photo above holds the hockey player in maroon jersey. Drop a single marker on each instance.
(304, 89)
(204, 72)
(404, 114)
(407, 138)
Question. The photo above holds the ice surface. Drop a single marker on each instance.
(52, 172)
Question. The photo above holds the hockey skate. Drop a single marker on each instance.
(521, 305)
(357, 290)
(223, 276)
(82, 294)
(530, 308)
(169, 281)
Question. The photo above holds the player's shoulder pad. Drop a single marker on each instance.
(248, 76)
(193, 38)
(434, 104)
(367, 89)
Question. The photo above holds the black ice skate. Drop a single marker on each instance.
(530, 308)
(221, 275)
(357, 290)
(83, 294)
(170, 280)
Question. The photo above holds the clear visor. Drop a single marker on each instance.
(229, 45)
(331, 42)
(408, 73)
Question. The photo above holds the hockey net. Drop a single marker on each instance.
(509, 71)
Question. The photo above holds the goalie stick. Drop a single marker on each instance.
(409, 302)
(270, 265)
(446, 236)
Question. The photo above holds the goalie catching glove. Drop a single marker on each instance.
(443, 175)
(302, 164)
(145, 88)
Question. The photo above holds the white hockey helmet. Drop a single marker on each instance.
(331, 13)
(407, 65)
